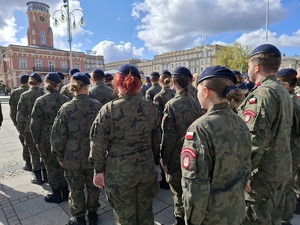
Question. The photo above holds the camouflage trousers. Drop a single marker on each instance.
(34, 153)
(174, 179)
(55, 172)
(77, 180)
(264, 204)
(25, 152)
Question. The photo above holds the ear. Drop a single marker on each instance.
(257, 68)
(207, 92)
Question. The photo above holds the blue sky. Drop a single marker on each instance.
(122, 29)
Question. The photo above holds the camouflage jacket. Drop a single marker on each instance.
(24, 109)
(145, 87)
(126, 129)
(161, 98)
(179, 113)
(70, 132)
(295, 135)
(43, 114)
(101, 92)
(267, 111)
(215, 165)
(152, 91)
(65, 90)
(193, 91)
(13, 102)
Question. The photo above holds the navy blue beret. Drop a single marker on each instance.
(129, 69)
(155, 74)
(216, 71)
(88, 75)
(61, 75)
(267, 49)
(99, 71)
(82, 77)
(37, 77)
(24, 78)
(109, 77)
(54, 77)
(236, 73)
(147, 78)
(74, 70)
(166, 72)
(286, 71)
(181, 70)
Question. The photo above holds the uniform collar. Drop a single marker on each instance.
(220, 106)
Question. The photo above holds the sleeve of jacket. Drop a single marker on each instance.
(36, 122)
(99, 137)
(169, 134)
(22, 113)
(13, 108)
(59, 135)
(156, 136)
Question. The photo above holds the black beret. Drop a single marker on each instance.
(155, 74)
(74, 70)
(88, 75)
(181, 70)
(82, 77)
(166, 72)
(216, 71)
(54, 77)
(109, 77)
(236, 73)
(61, 75)
(37, 77)
(129, 69)
(267, 49)
(99, 71)
(24, 78)
(286, 71)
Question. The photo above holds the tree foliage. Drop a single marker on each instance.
(234, 57)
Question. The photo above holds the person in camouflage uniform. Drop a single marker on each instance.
(42, 118)
(99, 90)
(71, 145)
(288, 79)
(62, 78)
(179, 113)
(123, 138)
(267, 111)
(215, 157)
(66, 88)
(13, 103)
(24, 110)
(146, 86)
(155, 87)
(109, 80)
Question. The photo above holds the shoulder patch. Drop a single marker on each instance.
(187, 155)
(298, 95)
(248, 114)
(189, 135)
(252, 100)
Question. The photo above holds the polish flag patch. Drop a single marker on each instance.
(189, 135)
(252, 100)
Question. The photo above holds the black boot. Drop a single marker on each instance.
(37, 177)
(27, 166)
(77, 221)
(45, 177)
(64, 193)
(179, 221)
(163, 184)
(93, 218)
(55, 197)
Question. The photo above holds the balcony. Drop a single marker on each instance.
(49, 69)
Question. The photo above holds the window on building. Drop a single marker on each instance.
(77, 65)
(51, 65)
(33, 41)
(64, 66)
(43, 38)
(38, 63)
(23, 63)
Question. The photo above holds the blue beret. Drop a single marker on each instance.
(181, 70)
(74, 70)
(166, 72)
(24, 78)
(88, 75)
(155, 74)
(82, 77)
(37, 77)
(108, 76)
(54, 77)
(267, 49)
(61, 75)
(129, 68)
(236, 73)
(286, 71)
(147, 78)
(216, 71)
(99, 71)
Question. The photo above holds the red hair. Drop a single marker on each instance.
(131, 84)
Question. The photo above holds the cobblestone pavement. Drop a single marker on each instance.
(22, 203)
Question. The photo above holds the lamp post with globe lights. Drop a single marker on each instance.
(67, 15)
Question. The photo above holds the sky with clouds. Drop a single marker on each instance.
(122, 29)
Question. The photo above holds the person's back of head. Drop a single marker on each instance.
(24, 79)
(98, 75)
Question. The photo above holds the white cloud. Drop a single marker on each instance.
(116, 52)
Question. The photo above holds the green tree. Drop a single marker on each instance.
(235, 57)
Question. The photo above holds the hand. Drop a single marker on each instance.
(248, 187)
(61, 163)
(38, 147)
(99, 180)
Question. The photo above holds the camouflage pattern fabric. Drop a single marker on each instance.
(215, 165)
(101, 92)
(13, 103)
(24, 108)
(193, 91)
(162, 97)
(179, 113)
(124, 138)
(65, 90)
(42, 118)
(71, 145)
(152, 91)
(145, 87)
(267, 111)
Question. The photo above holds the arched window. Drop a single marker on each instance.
(43, 38)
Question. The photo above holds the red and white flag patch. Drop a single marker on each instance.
(252, 100)
(298, 95)
(189, 135)
(248, 114)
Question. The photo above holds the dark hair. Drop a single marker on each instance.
(76, 85)
(269, 62)
(165, 79)
(220, 86)
(50, 85)
(131, 84)
(290, 79)
(97, 76)
(154, 78)
(183, 81)
(33, 81)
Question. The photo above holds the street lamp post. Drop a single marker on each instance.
(3, 59)
(68, 15)
(267, 19)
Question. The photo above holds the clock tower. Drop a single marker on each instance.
(39, 31)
